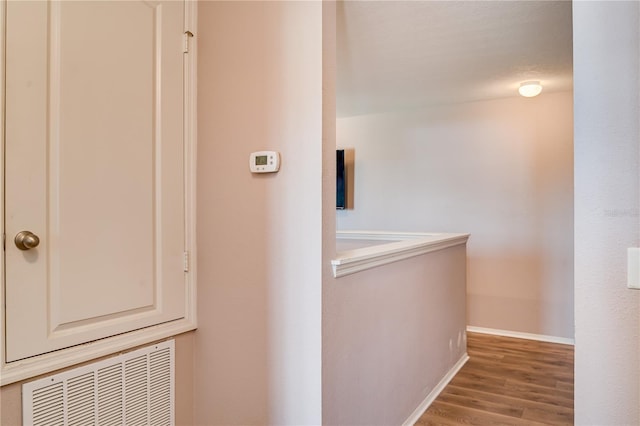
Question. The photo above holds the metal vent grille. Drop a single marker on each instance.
(136, 388)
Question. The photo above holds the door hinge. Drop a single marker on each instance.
(187, 36)
(186, 261)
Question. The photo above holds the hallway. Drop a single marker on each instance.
(508, 381)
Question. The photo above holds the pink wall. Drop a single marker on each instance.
(607, 200)
(390, 334)
(260, 241)
(500, 170)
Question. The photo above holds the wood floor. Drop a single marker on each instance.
(508, 381)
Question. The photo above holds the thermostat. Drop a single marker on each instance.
(264, 162)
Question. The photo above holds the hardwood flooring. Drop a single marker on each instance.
(508, 381)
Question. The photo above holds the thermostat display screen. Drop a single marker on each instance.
(264, 162)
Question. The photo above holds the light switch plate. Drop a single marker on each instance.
(633, 267)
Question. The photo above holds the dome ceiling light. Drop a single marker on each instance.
(529, 89)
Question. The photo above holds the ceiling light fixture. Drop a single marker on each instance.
(529, 89)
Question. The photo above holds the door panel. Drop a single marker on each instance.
(94, 167)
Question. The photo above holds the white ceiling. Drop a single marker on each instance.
(395, 55)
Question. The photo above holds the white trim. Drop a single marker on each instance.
(191, 159)
(383, 235)
(520, 335)
(424, 405)
(401, 246)
(3, 97)
(31, 367)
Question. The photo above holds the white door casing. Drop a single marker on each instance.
(95, 166)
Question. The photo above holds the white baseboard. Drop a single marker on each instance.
(519, 335)
(419, 411)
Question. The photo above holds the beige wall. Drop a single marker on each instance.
(184, 378)
(260, 242)
(607, 200)
(391, 333)
(11, 396)
(501, 170)
(11, 405)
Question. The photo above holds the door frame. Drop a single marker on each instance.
(11, 372)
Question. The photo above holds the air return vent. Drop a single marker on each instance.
(136, 388)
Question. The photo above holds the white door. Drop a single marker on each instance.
(94, 169)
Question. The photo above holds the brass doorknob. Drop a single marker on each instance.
(26, 240)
